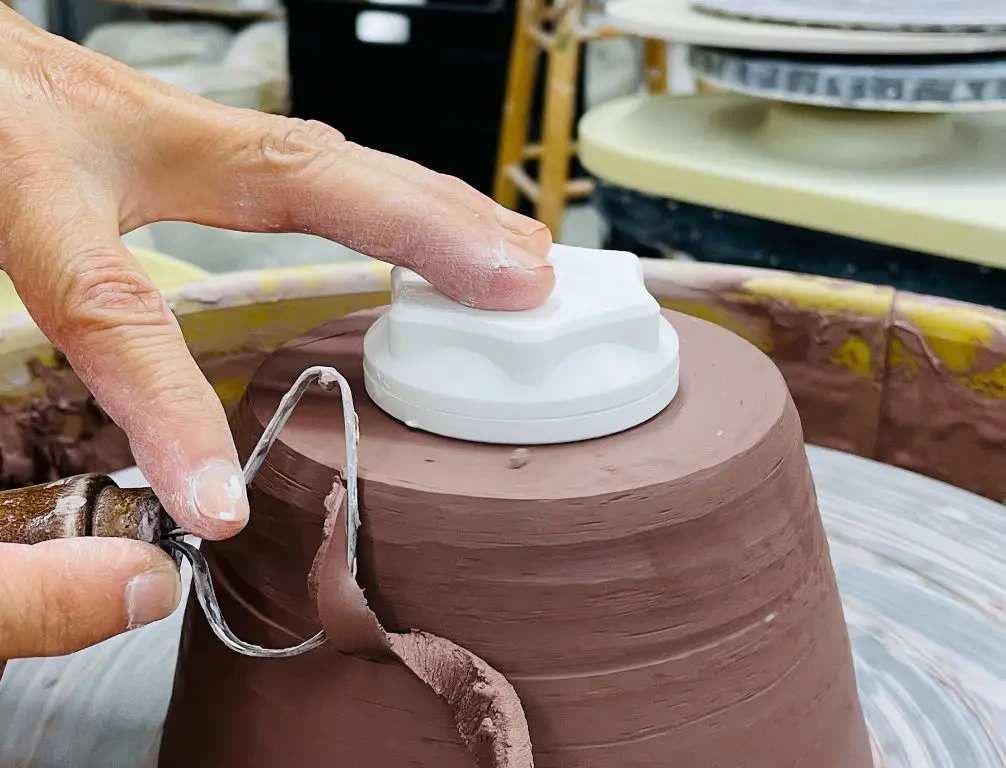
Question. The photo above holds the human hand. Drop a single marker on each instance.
(90, 149)
(60, 596)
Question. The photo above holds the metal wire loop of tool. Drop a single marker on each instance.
(202, 581)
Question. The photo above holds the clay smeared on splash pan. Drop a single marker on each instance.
(484, 706)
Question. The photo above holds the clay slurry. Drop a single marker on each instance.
(484, 706)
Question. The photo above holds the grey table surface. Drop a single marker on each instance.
(921, 567)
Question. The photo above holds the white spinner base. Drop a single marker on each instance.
(598, 358)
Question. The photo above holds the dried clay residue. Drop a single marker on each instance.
(63, 432)
(484, 706)
(519, 458)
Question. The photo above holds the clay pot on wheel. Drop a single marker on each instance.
(659, 598)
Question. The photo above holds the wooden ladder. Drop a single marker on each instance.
(557, 29)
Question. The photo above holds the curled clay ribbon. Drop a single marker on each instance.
(484, 706)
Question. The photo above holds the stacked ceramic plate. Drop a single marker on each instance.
(894, 81)
(883, 15)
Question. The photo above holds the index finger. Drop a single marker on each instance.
(258, 172)
(92, 299)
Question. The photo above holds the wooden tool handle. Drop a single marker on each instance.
(85, 505)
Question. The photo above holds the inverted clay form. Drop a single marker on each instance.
(660, 598)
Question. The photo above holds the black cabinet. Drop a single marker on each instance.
(435, 97)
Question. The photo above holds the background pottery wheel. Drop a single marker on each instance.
(917, 84)
(923, 182)
(921, 567)
(928, 15)
(678, 21)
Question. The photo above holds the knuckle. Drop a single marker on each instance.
(47, 71)
(60, 76)
(41, 74)
(67, 74)
(454, 184)
(455, 189)
(289, 151)
(292, 144)
(100, 291)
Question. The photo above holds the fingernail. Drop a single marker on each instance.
(509, 254)
(152, 596)
(518, 223)
(218, 491)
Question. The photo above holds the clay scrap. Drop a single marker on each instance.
(484, 706)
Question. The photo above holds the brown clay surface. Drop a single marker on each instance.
(658, 598)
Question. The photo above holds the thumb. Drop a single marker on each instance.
(60, 596)
(92, 299)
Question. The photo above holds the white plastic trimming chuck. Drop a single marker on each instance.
(597, 358)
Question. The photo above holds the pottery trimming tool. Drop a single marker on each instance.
(94, 505)
(597, 358)
(892, 136)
